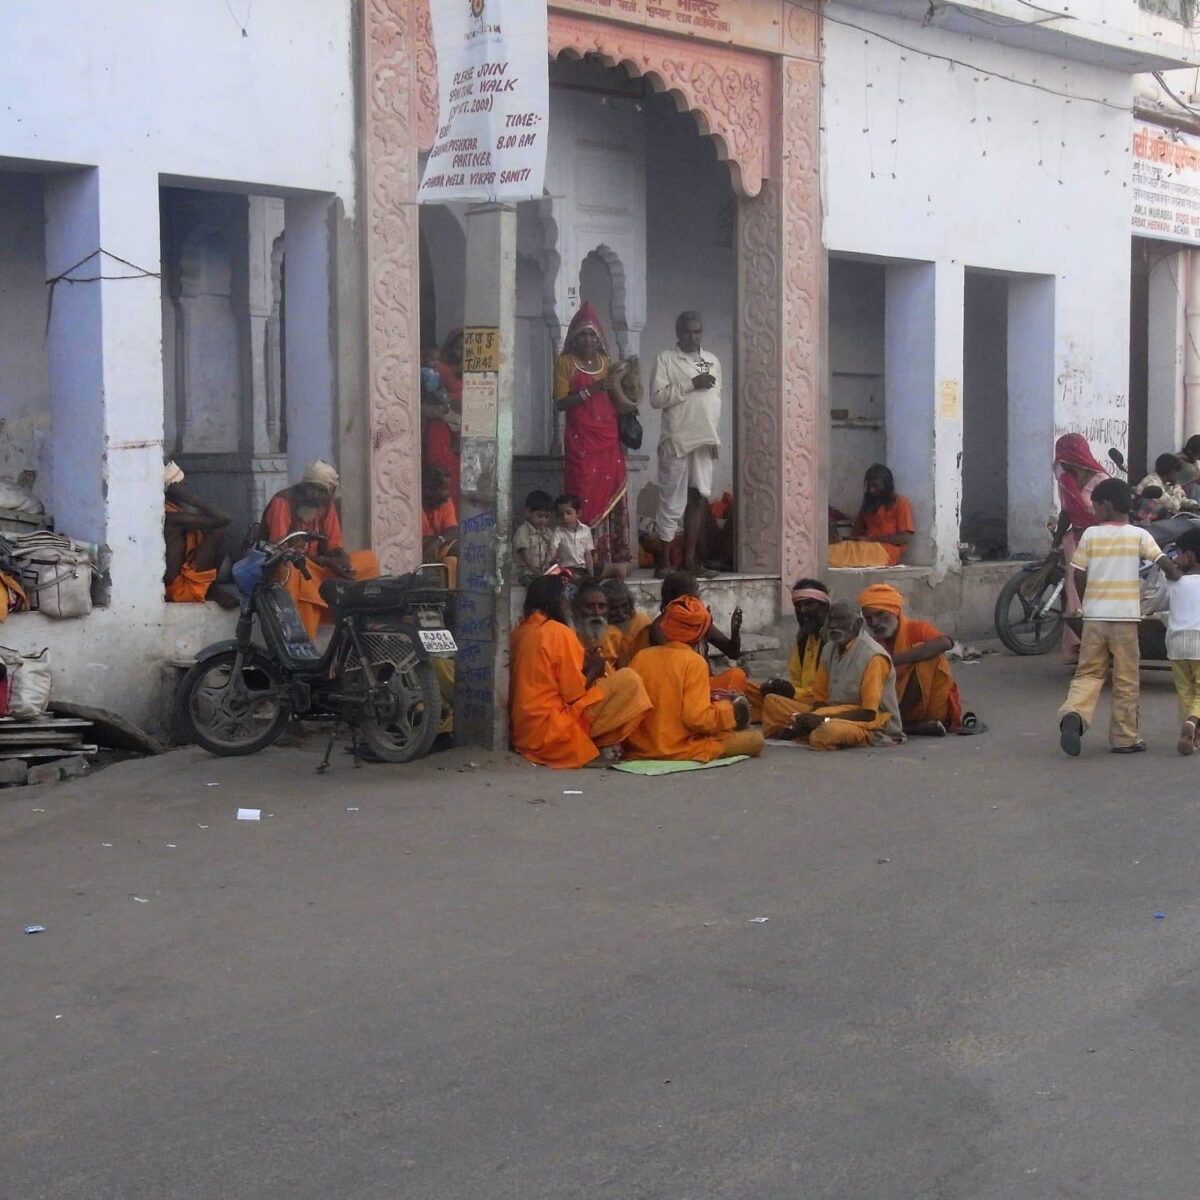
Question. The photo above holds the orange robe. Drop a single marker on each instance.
(778, 712)
(637, 638)
(190, 586)
(278, 521)
(926, 690)
(885, 521)
(554, 717)
(685, 724)
(802, 674)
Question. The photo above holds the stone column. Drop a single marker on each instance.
(106, 376)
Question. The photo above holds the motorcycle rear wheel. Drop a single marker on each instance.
(403, 724)
(1016, 625)
(232, 712)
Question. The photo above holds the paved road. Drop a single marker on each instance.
(435, 983)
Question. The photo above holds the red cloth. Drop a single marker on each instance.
(593, 461)
(1075, 498)
(440, 448)
(280, 521)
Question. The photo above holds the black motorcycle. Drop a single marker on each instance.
(376, 674)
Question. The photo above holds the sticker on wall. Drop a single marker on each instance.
(950, 400)
(479, 397)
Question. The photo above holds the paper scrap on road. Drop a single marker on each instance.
(352, 808)
(141, 900)
(249, 814)
(212, 785)
(172, 846)
(201, 826)
(108, 845)
(572, 792)
(758, 920)
(35, 929)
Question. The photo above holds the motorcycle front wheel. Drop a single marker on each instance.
(401, 722)
(1030, 623)
(233, 703)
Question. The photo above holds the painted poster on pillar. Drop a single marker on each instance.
(1166, 184)
(493, 101)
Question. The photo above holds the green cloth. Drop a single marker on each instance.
(666, 766)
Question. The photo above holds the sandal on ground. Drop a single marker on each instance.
(971, 725)
(1136, 748)
(926, 729)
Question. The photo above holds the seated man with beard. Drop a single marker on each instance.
(853, 699)
(686, 724)
(925, 687)
(589, 615)
(563, 708)
(625, 620)
(810, 603)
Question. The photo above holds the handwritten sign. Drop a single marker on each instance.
(481, 348)
(493, 101)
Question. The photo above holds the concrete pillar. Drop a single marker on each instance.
(1164, 384)
(485, 512)
(310, 340)
(1031, 384)
(923, 361)
(106, 376)
(1191, 340)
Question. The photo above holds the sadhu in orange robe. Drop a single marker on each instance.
(278, 521)
(555, 718)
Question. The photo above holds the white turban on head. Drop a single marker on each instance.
(171, 474)
(322, 474)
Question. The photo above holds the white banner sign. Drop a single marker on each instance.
(1166, 184)
(493, 101)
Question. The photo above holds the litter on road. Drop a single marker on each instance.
(35, 929)
(572, 792)
(1160, 916)
(249, 814)
(141, 900)
(758, 920)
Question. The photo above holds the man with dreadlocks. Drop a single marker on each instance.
(882, 528)
(563, 708)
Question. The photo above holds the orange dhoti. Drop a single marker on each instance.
(306, 593)
(191, 586)
(620, 711)
(927, 692)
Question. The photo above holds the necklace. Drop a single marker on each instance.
(585, 368)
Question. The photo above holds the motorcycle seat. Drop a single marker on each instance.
(369, 595)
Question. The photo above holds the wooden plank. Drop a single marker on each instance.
(58, 752)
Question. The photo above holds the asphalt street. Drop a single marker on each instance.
(450, 981)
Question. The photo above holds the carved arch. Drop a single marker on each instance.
(616, 272)
(730, 92)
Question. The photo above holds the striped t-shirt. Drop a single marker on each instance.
(1111, 555)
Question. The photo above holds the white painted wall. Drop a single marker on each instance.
(937, 163)
(135, 94)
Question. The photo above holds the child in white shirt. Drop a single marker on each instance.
(573, 545)
(1183, 638)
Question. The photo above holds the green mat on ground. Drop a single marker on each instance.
(666, 766)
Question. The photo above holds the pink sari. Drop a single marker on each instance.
(594, 460)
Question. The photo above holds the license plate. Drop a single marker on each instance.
(438, 641)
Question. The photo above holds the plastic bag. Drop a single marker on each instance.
(28, 683)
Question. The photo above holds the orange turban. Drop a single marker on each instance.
(685, 620)
(881, 595)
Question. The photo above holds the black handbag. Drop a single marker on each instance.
(629, 430)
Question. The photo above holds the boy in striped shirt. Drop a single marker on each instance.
(1107, 559)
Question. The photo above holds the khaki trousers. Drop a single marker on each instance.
(1187, 687)
(1102, 639)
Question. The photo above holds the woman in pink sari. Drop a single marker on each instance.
(594, 461)
(1076, 472)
